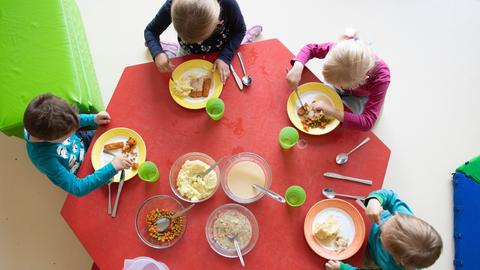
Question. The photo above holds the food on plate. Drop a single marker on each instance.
(232, 223)
(340, 244)
(207, 82)
(182, 87)
(200, 86)
(173, 231)
(128, 150)
(242, 176)
(193, 187)
(310, 118)
(130, 145)
(113, 146)
(327, 230)
(194, 85)
(135, 166)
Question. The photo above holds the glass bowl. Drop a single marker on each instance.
(209, 230)
(245, 156)
(157, 202)
(177, 165)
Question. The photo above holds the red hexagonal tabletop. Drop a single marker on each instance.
(252, 121)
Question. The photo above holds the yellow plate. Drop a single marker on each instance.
(99, 159)
(195, 66)
(309, 92)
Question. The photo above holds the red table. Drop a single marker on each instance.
(252, 121)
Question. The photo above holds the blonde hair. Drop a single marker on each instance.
(347, 63)
(195, 20)
(411, 241)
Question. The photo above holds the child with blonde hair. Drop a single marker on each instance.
(202, 26)
(57, 148)
(398, 240)
(360, 77)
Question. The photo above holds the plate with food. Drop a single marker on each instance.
(119, 141)
(334, 229)
(304, 117)
(193, 83)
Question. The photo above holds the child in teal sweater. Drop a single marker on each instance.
(57, 148)
(398, 240)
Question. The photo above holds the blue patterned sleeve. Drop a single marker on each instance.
(69, 182)
(87, 120)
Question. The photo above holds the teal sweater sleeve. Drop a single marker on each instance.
(87, 120)
(69, 182)
(390, 201)
(346, 266)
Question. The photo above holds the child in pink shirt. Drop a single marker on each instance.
(360, 77)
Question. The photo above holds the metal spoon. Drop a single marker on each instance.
(246, 80)
(342, 158)
(202, 175)
(329, 193)
(270, 193)
(237, 247)
(164, 222)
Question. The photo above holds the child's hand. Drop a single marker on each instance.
(326, 107)
(222, 69)
(374, 210)
(121, 163)
(332, 265)
(102, 118)
(295, 75)
(163, 63)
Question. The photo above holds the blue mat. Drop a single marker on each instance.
(466, 222)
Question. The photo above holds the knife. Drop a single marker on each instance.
(348, 178)
(119, 190)
(237, 78)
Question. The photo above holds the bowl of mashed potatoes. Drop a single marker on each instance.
(185, 181)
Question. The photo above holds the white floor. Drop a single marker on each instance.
(429, 121)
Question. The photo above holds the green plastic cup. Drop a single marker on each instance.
(148, 172)
(215, 108)
(295, 196)
(288, 137)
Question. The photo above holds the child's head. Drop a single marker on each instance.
(50, 118)
(347, 64)
(411, 241)
(195, 20)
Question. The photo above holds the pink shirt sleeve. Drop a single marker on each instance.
(366, 120)
(313, 50)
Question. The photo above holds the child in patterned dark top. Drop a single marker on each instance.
(202, 26)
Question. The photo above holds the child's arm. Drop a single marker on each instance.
(156, 27)
(69, 182)
(237, 30)
(337, 265)
(313, 50)
(390, 201)
(346, 266)
(87, 120)
(367, 119)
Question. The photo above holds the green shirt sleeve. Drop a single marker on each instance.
(87, 120)
(390, 201)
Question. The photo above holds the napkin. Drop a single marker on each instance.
(143, 263)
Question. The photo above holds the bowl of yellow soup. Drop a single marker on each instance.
(240, 172)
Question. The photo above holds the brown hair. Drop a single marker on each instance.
(49, 117)
(411, 241)
(195, 19)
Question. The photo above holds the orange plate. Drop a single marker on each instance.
(342, 207)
